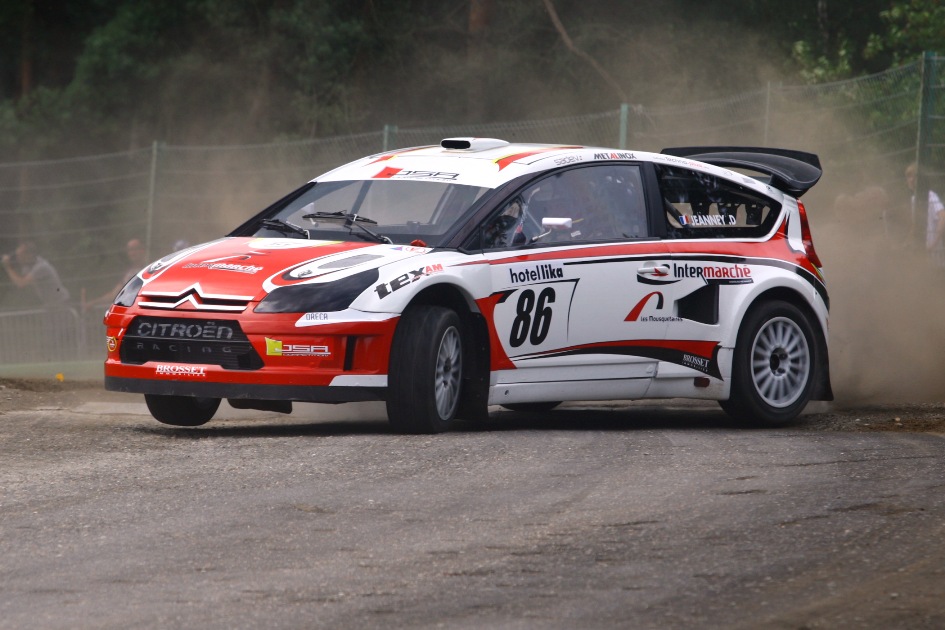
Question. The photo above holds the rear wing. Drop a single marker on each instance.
(792, 172)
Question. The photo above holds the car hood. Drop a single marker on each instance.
(227, 274)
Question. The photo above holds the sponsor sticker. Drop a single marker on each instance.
(707, 220)
(195, 371)
(386, 288)
(568, 159)
(390, 172)
(536, 272)
(277, 348)
(111, 343)
(176, 330)
(616, 155)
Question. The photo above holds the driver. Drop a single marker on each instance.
(505, 229)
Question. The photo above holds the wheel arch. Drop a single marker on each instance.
(475, 394)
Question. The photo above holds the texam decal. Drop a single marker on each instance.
(386, 288)
(111, 343)
(277, 348)
(180, 370)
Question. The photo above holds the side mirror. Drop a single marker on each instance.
(556, 223)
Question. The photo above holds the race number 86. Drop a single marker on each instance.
(525, 327)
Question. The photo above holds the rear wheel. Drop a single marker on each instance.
(773, 365)
(532, 407)
(181, 411)
(425, 377)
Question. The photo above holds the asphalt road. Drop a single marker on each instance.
(636, 516)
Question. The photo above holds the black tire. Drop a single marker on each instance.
(774, 365)
(424, 380)
(537, 407)
(182, 411)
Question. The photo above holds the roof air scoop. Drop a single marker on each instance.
(472, 144)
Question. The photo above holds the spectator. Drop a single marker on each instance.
(935, 222)
(137, 259)
(29, 270)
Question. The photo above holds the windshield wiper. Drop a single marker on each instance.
(350, 220)
(283, 226)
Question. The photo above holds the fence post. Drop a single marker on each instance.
(390, 137)
(624, 125)
(767, 114)
(152, 191)
(922, 146)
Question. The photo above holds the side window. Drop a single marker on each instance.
(700, 205)
(591, 203)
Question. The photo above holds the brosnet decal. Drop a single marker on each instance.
(196, 371)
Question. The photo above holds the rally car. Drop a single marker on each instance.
(444, 279)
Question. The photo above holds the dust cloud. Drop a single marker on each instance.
(887, 319)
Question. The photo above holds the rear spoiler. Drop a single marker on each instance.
(792, 172)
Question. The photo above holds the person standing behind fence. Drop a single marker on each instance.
(935, 222)
(137, 259)
(29, 270)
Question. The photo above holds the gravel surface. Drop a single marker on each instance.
(635, 515)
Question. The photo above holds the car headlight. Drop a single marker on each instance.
(128, 293)
(321, 297)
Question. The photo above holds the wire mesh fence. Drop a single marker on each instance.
(81, 212)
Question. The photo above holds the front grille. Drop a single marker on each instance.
(181, 340)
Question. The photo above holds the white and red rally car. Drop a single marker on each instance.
(444, 279)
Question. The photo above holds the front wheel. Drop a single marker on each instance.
(425, 375)
(181, 411)
(773, 365)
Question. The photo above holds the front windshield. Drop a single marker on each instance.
(402, 211)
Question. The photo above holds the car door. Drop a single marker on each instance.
(571, 256)
(708, 220)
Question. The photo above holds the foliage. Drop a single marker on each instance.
(92, 75)
(912, 28)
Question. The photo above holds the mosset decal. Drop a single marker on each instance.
(700, 363)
